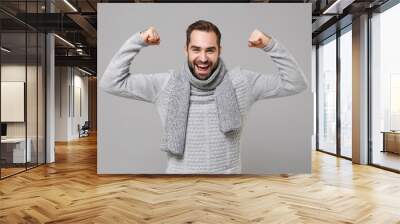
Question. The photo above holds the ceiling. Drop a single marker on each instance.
(77, 23)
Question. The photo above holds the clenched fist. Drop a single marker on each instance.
(258, 39)
(150, 36)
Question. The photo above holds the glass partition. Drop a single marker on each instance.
(13, 109)
(41, 96)
(31, 100)
(22, 77)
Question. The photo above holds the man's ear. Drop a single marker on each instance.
(220, 50)
(185, 50)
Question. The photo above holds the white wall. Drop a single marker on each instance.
(61, 103)
(67, 81)
(33, 126)
(17, 72)
(80, 83)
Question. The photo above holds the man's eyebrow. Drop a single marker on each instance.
(208, 48)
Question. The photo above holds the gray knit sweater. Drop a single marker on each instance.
(207, 149)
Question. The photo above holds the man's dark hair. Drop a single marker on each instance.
(203, 25)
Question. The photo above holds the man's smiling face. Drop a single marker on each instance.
(202, 53)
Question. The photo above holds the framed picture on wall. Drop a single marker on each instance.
(12, 101)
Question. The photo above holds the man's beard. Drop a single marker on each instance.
(192, 69)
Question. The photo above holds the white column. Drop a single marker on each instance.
(360, 90)
(50, 100)
(50, 92)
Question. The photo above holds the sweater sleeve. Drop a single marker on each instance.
(288, 81)
(118, 80)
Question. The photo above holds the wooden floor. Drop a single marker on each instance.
(70, 191)
(5, 172)
(387, 159)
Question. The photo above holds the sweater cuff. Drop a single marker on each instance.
(270, 45)
(136, 39)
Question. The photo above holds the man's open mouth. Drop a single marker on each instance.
(202, 68)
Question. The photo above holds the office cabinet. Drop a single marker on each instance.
(391, 142)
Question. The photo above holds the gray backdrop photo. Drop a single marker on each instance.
(277, 135)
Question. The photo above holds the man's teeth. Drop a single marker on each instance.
(202, 66)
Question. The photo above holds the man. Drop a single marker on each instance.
(203, 106)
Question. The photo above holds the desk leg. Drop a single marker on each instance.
(384, 142)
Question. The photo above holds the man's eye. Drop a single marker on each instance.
(195, 50)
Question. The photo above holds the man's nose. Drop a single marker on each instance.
(203, 57)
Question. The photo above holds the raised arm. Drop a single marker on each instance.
(288, 81)
(117, 79)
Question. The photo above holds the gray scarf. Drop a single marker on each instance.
(178, 88)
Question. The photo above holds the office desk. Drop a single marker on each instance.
(13, 150)
(391, 141)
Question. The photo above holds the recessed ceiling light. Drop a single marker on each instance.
(64, 40)
(84, 71)
(5, 50)
(337, 7)
(70, 5)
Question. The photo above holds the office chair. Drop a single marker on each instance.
(84, 130)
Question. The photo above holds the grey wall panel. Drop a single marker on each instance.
(277, 135)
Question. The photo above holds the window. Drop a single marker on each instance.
(327, 96)
(385, 88)
(346, 93)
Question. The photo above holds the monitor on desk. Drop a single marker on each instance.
(3, 130)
